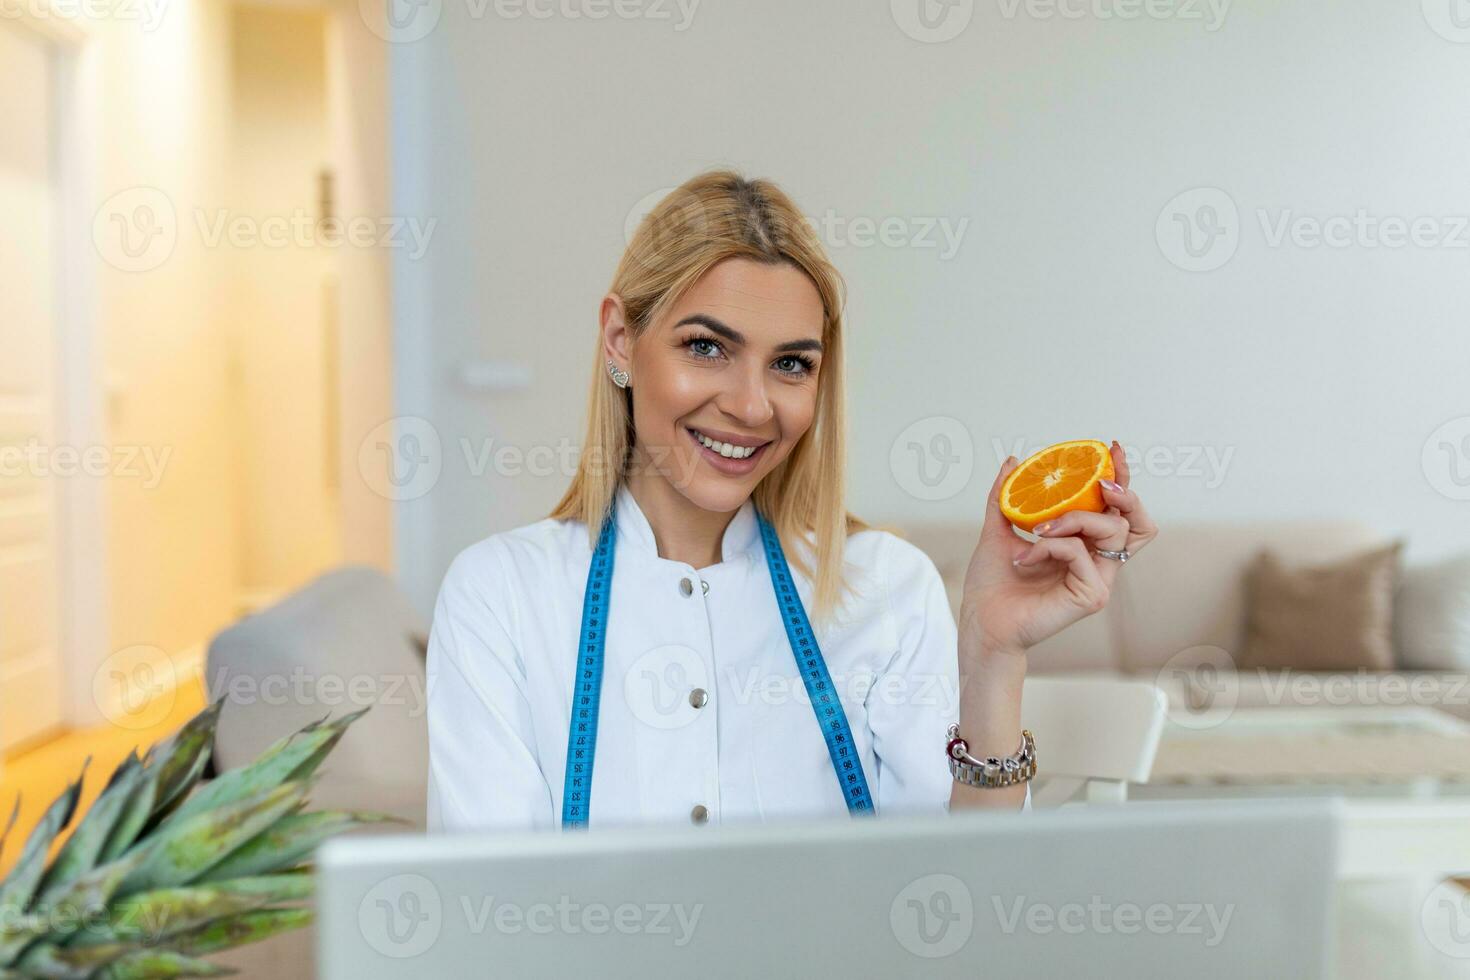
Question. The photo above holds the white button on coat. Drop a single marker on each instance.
(503, 650)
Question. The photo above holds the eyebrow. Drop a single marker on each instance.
(731, 334)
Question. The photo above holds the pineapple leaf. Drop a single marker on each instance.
(186, 755)
(18, 887)
(53, 924)
(83, 900)
(134, 813)
(180, 852)
(123, 768)
(286, 886)
(65, 963)
(148, 918)
(338, 728)
(155, 964)
(285, 760)
(18, 932)
(14, 813)
(237, 930)
(186, 868)
(290, 839)
(82, 849)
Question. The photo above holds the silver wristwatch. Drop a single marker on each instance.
(990, 771)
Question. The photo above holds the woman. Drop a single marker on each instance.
(644, 654)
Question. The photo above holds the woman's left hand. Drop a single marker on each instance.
(1017, 593)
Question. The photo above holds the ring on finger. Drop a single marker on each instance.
(1117, 556)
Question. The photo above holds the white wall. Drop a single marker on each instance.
(1314, 375)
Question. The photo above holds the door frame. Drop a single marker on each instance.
(80, 535)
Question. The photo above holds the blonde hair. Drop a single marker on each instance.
(712, 217)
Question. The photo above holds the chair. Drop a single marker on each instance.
(1094, 731)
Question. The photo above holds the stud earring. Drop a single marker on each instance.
(620, 378)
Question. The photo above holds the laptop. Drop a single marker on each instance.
(1200, 889)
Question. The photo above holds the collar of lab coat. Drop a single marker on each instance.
(742, 534)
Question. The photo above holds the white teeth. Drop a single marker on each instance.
(724, 448)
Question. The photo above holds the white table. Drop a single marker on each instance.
(1404, 776)
(1383, 752)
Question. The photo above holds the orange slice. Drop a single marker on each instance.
(1055, 480)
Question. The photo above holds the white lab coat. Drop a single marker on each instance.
(702, 703)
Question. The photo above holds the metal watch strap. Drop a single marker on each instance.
(992, 770)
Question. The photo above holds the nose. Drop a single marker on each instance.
(745, 399)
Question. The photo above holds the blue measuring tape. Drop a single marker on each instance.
(587, 690)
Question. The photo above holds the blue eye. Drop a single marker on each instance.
(701, 340)
(806, 364)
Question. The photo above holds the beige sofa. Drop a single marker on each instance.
(1186, 591)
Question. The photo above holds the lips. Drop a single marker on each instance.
(726, 444)
(727, 464)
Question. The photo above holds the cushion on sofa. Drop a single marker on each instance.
(1432, 618)
(1333, 616)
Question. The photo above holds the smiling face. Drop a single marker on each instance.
(724, 384)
